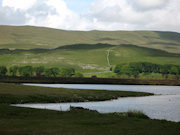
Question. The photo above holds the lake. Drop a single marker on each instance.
(164, 105)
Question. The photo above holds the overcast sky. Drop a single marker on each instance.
(160, 15)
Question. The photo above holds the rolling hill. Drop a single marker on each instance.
(29, 37)
(85, 51)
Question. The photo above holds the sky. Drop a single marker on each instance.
(85, 15)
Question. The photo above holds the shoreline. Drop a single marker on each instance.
(18, 94)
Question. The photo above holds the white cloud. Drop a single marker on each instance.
(48, 13)
(137, 14)
(102, 14)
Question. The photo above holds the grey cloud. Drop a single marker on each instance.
(41, 9)
(38, 12)
(146, 5)
(11, 17)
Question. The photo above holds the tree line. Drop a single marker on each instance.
(136, 68)
(39, 71)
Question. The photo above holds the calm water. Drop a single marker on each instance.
(172, 90)
(164, 106)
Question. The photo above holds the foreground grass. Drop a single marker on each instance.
(16, 93)
(26, 121)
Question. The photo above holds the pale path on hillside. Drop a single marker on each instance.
(109, 64)
(108, 51)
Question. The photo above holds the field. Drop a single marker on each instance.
(26, 121)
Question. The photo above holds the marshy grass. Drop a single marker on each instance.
(136, 113)
(132, 114)
(28, 121)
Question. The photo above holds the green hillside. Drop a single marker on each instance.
(131, 53)
(29, 37)
(86, 52)
(86, 58)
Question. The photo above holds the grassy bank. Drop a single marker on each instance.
(72, 80)
(16, 93)
(141, 76)
(28, 121)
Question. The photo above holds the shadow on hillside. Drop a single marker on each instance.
(67, 47)
(169, 36)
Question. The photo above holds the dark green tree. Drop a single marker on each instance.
(178, 67)
(20, 70)
(120, 73)
(47, 72)
(155, 68)
(146, 67)
(67, 72)
(52, 72)
(111, 69)
(39, 70)
(118, 68)
(64, 73)
(13, 70)
(127, 70)
(165, 70)
(3, 70)
(135, 73)
(55, 71)
(27, 71)
(174, 71)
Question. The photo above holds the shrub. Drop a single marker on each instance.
(137, 114)
(80, 75)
